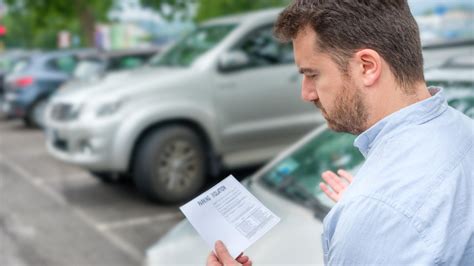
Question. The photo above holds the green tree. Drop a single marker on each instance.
(42, 19)
(207, 9)
(169, 9)
(214, 8)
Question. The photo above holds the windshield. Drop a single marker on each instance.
(298, 175)
(126, 62)
(186, 51)
(20, 65)
(88, 68)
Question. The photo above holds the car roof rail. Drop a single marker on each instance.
(447, 44)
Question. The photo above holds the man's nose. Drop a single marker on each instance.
(308, 90)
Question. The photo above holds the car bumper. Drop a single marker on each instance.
(11, 106)
(88, 145)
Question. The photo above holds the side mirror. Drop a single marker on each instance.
(233, 60)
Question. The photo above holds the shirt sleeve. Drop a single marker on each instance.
(369, 231)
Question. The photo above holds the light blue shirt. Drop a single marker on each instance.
(412, 202)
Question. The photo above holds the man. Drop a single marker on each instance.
(412, 200)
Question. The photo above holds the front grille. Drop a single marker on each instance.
(60, 144)
(2, 89)
(62, 112)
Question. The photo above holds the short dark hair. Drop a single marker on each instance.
(345, 26)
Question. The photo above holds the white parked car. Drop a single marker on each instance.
(225, 96)
(456, 75)
(289, 186)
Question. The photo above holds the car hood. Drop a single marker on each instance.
(295, 240)
(119, 84)
(76, 84)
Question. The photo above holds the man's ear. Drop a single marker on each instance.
(368, 66)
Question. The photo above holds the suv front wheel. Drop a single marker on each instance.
(170, 165)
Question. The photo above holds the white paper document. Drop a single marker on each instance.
(229, 212)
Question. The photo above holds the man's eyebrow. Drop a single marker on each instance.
(305, 70)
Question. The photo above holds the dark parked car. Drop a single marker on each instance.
(33, 80)
(8, 61)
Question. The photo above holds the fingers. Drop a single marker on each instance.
(336, 185)
(333, 181)
(346, 175)
(244, 260)
(333, 196)
(223, 254)
(212, 260)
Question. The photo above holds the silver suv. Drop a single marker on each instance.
(225, 96)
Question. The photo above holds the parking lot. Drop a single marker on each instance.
(124, 90)
(56, 214)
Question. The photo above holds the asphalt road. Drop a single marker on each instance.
(57, 214)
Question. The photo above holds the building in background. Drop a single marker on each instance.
(133, 26)
(442, 21)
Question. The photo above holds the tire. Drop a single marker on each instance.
(35, 115)
(170, 165)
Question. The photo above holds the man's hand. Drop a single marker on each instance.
(337, 182)
(223, 258)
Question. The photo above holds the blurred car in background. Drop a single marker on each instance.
(288, 186)
(92, 67)
(8, 60)
(456, 75)
(33, 80)
(223, 97)
(435, 55)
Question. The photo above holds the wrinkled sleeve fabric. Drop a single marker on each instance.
(372, 232)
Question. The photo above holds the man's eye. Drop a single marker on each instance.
(312, 76)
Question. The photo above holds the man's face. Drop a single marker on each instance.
(341, 102)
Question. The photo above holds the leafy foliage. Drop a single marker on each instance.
(207, 9)
(214, 8)
(35, 23)
(169, 9)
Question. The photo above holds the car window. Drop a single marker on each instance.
(464, 104)
(263, 49)
(298, 175)
(87, 68)
(20, 65)
(65, 64)
(126, 62)
(195, 44)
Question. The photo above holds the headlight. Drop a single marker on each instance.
(64, 111)
(75, 112)
(108, 108)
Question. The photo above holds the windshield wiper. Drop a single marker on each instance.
(292, 189)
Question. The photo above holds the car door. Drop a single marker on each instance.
(259, 106)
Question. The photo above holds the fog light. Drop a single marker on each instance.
(85, 146)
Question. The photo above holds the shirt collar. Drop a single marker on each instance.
(416, 113)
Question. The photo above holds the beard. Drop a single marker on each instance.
(349, 113)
